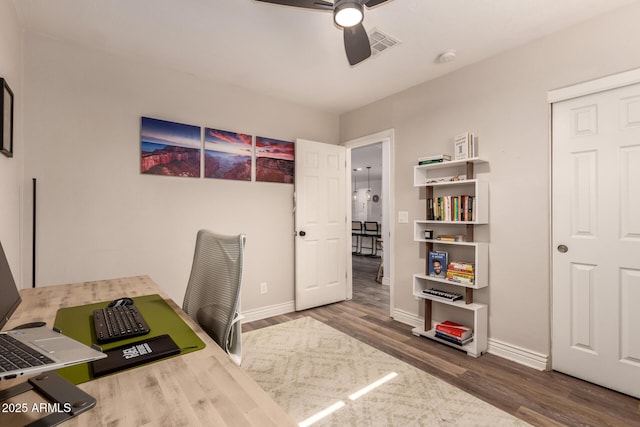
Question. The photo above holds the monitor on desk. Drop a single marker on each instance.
(8, 290)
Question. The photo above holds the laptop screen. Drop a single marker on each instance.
(10, 298)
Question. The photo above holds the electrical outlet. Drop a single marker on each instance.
(263, 287)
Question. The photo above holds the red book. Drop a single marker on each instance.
(454, 329)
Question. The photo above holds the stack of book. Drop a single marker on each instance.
(465, 146)
(460, 272)
(454, 332)
(438, 158)
(451, 208)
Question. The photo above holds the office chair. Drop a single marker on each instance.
(213, 293)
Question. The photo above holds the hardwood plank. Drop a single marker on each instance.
(539, 398)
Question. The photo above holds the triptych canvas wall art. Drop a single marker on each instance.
(176, 149)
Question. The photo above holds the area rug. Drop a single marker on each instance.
(309, 367)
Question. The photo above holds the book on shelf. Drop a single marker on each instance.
(454, 329)
(465, 146)
(438, 158)
(453, 340)
(438, 263)
(462, 266)
(461, 272)
(460, 279)
(451, 237)
(430, 210)
(451, 208)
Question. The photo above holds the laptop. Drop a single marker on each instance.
(33, 350)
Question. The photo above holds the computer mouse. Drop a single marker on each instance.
(121, 301)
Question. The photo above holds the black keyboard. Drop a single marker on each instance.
(449, 296)
(17, 355)
(118, 323)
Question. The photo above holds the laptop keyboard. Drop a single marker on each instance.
(16, 355)
(118, 323)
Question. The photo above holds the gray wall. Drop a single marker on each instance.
(10, 168)
(503, 100)
(100, 218)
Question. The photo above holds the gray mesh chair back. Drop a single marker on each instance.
(213, 293)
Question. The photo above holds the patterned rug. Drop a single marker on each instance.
(308, 367)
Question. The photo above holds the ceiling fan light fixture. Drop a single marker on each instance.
(348, 13)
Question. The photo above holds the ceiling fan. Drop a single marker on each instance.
(348, 15)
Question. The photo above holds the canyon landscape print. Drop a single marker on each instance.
(274, 160)
(227, 155)
(169, 148)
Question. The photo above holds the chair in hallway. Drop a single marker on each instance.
(213, 293)
(371, 234)
(356, 235)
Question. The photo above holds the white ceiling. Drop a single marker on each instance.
(298, 54)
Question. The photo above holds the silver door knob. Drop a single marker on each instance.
(562, 249)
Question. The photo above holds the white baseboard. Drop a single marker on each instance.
(407, 318)
(270, 311)
(518, 354)
(508, 351)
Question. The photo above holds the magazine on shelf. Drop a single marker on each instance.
(438, 264)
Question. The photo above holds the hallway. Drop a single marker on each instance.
(366, 291)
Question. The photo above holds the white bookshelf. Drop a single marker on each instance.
(454, 178)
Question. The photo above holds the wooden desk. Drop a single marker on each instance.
(200, 388)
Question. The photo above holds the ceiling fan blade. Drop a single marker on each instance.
(308, 4)
(372, 3)
(356, 44)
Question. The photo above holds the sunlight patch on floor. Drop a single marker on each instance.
(340, 404)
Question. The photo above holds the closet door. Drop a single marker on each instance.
(596, 238)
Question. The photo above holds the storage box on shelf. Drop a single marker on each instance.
(450, 181)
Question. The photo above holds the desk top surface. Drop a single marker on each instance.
(199, 388)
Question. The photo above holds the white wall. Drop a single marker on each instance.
(503, 100)
(10, 168)
(100, 218)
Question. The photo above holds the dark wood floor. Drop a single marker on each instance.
(540, 398)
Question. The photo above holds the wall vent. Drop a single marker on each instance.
(380, 42)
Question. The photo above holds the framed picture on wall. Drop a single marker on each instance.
(227, 155)
(274, 160)
(6, 125)
(169, 148)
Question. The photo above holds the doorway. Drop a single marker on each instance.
(370, 266)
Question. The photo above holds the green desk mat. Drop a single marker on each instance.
(77, 323)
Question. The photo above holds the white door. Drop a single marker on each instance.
(596, 238)
(321, 224)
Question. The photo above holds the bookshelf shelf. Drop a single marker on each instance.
(422, 174)
(458, 199)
